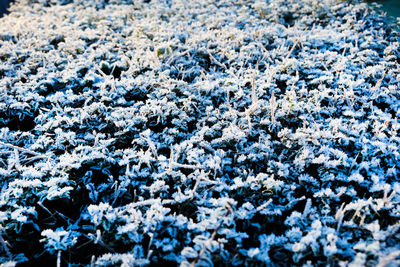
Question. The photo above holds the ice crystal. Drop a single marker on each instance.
(199, 133)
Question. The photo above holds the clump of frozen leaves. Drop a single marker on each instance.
(199, 133)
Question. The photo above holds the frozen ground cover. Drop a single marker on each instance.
(199, 133)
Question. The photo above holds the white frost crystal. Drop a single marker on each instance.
(162, 132)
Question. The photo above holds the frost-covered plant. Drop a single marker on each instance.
(203, 133)
(59, 239)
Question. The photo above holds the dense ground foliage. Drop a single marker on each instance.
(199, 133)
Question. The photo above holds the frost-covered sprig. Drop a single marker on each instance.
(225, 133)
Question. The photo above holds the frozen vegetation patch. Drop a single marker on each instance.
(227, 133)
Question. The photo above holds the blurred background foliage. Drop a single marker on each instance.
(391, 7)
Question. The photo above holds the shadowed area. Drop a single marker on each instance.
(4, 5)
(391, 7)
